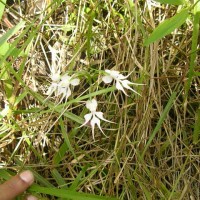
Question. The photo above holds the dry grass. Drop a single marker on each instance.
(93, 36)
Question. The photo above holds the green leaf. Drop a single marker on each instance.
(4, 45)
(58, 178)
(194, 49)
(77, 180)
(11, 32)
(65, 193)
(4, 48)
(60, 154)
(167, 26)
(4, 174)
(2, 7)
(172, 2)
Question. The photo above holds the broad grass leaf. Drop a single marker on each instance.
(4, 48)
(11, 32)
(167, 27)
(172, 2)
(4, 45)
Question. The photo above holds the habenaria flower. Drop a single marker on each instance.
(61, 85)
(120, 80)
(5, 111)
(93, 117)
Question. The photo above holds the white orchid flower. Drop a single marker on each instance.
(120, 80)
(55, 77)
(61, 85)
(64, 85)
(5, 111)
(94, 117)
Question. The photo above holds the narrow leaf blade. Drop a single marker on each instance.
(2, 7)
(66, 193)
(172, 2)
(160, 121)
(167, 27)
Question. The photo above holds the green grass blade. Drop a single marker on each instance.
(172, 2)
(2, 7)
(167, 26)
(76, 181)
(66, 137)
(60, 154)
(161, 120)
(144, 189)
(42, 180)
(58, 178)
(195, 36)
(10, 33)
(67, 193)
(196, 132)
(4, 174)
(90, 32)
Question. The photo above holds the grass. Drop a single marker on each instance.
(152, 148)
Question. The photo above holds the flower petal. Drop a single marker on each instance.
(94, 121)
(61, 90)
(65, 81)
(65, 77)
(100, 116)
(107, 79)
(75, 81)
(5, 111)
(91, 105)
(68, 93)
(119, 87)
(131, 83)
(121, 77)
(113, 73)
(107, 71)
(52, 89)
(55, 77)
(87, 119)
(125, 84)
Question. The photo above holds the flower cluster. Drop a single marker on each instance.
(61, 86)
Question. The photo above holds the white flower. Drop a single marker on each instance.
(120, 80)
(55, 77)
(61, 85)
(93, 117)
(151, 3)
(5, 111)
